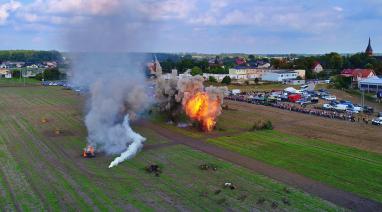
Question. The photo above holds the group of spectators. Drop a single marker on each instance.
(346, 116)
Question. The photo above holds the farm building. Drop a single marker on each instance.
(371, 84)
(358, 74)
(5, 73)
(279, 76)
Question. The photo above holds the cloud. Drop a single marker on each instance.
(7, 8)
(338, 9)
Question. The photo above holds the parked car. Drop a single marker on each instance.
(327, 106)
(377, 121)
(368, 110)
(357, 108)
(341, 107)
(330, 98)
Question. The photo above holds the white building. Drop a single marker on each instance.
(317, 67)
(301, 73)
(279, 76)
(247, 72)
(5, 73)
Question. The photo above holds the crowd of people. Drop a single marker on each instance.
(316, 111)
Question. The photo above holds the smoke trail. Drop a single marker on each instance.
(135, 146)
(115, 80)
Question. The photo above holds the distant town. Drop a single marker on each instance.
(359, 70)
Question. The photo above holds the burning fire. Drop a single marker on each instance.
(88, 152)
(203, 109)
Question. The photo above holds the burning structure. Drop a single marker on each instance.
(188, 94)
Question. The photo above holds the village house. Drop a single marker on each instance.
(358, 74)
(317, 68)
(5, 73)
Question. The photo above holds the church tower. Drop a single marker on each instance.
(369, 50)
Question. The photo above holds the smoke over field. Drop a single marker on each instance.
(115, 80)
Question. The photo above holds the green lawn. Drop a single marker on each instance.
(45, 172)
(18, 81)
(343, 167)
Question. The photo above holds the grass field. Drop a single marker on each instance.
(18, 81)
(347, 168)
(43, 171)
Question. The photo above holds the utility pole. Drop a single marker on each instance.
(363, 98)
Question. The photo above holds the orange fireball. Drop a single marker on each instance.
(203, 109)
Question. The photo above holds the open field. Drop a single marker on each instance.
(350, 169)
(359, 135)
(326, 150)
(40, 170)
(18, 82)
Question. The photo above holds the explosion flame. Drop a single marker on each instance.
(202, 108)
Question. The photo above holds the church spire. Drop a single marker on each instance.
(369, 50)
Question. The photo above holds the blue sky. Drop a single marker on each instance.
(207, 26)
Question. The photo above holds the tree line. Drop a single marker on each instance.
(332, 62)
(29, 56)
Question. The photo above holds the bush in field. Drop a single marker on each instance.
(212, 79)
(262, 125)
(226, 80)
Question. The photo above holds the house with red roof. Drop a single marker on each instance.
(317, 67)
(241, 61)
(358, 74)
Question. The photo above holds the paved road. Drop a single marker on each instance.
(334, 195)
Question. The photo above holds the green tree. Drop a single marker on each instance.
(16, 73)
(226, 80)
(369, 66)
(38, 77)
(51, 74)
(196, 71)
(341, 81)
(256, 81)
(212, 79)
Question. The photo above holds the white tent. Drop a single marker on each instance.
(371, 84)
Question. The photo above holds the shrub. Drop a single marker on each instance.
(226, 80)
(212, 79)
(262, 125)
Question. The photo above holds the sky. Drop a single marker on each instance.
(203, 26)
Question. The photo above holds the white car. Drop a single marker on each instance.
(341, 107)
(357, 108)
(327, 106)
(377, 121)
(330, 98)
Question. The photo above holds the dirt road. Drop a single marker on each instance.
(336, 196)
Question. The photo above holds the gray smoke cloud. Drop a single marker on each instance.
(115, 80)
(172, 94)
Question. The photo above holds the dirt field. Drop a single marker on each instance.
(359, 135)
(41, 170)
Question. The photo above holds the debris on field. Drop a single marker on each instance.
(153, 168)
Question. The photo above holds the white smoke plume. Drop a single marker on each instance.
(114, 80)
